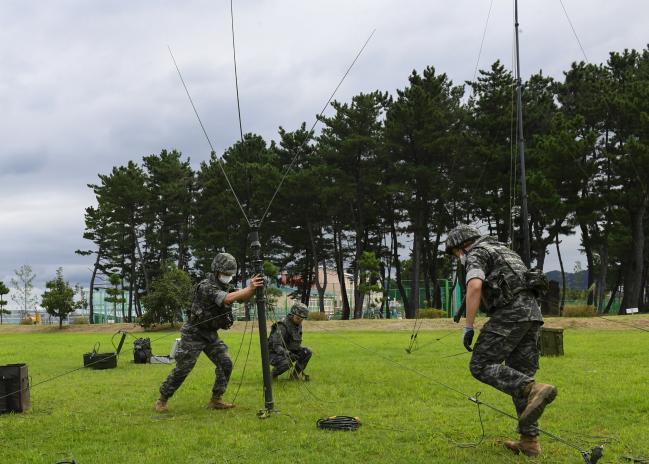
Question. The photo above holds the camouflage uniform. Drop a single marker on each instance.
(511, 334)
(199, 334)
(285, 345)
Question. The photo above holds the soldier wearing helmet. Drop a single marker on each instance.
(506, 355)
(285, 344)
(210, 311)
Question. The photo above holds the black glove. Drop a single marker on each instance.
(468, 338)
(226, 320)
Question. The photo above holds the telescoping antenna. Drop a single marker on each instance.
(257, 262)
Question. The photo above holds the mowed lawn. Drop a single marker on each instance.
(107, 416)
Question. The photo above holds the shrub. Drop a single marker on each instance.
(79, 320)
(27, 321)
(317, 316)
(579, 311)
(431, 313)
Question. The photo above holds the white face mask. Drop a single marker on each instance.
(225, 279)
(463, 259)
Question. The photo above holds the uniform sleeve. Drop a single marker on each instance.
(276, 339)
(213, 294)
(476, 264)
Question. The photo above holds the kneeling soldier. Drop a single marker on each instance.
(210, 310)
(285, 342)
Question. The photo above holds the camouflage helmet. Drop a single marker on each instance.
(300, 310)
(459, 235)
(224, 263)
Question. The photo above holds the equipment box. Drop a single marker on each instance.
(95, 360)
(551, 342)
(14, 388)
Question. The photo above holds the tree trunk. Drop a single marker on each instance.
(307, 280)
(618, 281)
(416, 263)
(563, 277)
(426, 268)
(132, 282)
(340, 270)
(437, 301)
(588, 249)
(386, 284)
(316, 259)
(147, 281)
(397, 268)
(91, 315)
(359, 296)
(603, 274)
(634, 268)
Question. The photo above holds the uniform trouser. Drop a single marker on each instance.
(506, 356)
(281, 363)
(187, 353)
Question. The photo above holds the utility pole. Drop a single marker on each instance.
(257, 265)
(525, 227)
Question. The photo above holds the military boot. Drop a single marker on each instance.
(527, 445)
(539, 395)
(161, 405)
(218, 403)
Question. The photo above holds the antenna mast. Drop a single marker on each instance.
(525, 229)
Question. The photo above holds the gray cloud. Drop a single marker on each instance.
(86, 86)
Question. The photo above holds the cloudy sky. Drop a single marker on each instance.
(87, 85)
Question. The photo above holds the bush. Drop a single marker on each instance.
(317, 316)
(431, 313)
(579, 311)
(29, 320)
(79, 320)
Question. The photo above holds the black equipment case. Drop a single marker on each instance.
(96, 360)
(14, 388)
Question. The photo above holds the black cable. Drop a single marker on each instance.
(245, 364)
(348, 423)
(623, 323)
(419, 347)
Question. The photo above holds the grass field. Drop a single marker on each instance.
(107, 416)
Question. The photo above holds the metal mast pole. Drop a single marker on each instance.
(257, 265)
(525, 228)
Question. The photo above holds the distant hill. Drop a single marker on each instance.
(573, 280)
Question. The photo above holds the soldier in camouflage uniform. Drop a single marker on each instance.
(506, 355)
(285, 344)
(210, 310)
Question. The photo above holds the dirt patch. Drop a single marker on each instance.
(633, 322)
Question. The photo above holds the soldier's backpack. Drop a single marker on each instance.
(142, 351)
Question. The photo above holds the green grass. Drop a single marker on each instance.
(107, 416)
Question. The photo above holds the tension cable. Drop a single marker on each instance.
(219, 159)
(290, 166)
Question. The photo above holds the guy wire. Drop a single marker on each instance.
(574, 32)
(213, 152)
(236, 75)
(245, 364)
(299, 148)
